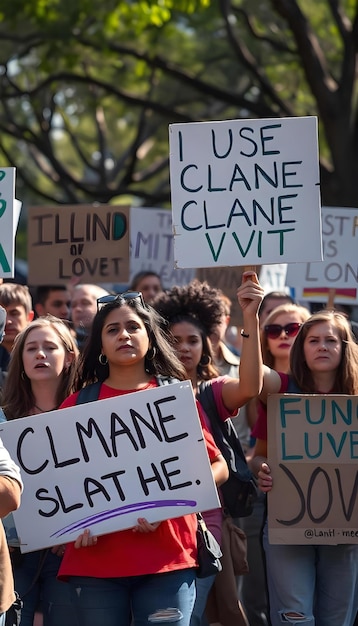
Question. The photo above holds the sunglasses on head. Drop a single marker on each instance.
(118, 297)
(273, 331)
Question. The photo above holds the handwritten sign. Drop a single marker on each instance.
(86, 242)
(245, 191)
(273, 277)
(104, 464)
(152, 246)
(339, 269)
(313, 452)
(7, 222)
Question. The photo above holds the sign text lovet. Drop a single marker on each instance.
(245, 192)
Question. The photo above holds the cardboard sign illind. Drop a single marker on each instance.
(152, 246)
(87, 242)
(7, 222)
(312, 453)
(339, 269)
(245, 192)
(103, 464)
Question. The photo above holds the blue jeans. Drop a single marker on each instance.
(118, 601)
(318, 583)
(203, 586)
(53, 596)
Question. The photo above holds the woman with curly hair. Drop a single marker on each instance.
(192, 312)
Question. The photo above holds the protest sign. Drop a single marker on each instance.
(312, 453)
(104, 464)
(273, 277)
(8, 222)
(152, 246)
(245, 192)
(87, 242)
(339, 269)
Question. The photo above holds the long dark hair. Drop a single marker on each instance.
(159, 361)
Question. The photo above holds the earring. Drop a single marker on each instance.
(103, 359)
(151, 353)
(205, 360)
(23, 375)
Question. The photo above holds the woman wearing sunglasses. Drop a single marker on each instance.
(311, 584)
(144, 574)
(278, 334)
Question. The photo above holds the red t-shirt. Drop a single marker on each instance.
(125, 553)
(259, 431)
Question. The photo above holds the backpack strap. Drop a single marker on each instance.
(224, 433)
(89, 393)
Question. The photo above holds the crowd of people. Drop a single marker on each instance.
(70, 338)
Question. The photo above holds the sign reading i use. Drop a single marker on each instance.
(245, 192)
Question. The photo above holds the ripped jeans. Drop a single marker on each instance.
(164, 599)
(318, 583)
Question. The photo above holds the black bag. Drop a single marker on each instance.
(239, 492)
(13, 614)
(209, 552)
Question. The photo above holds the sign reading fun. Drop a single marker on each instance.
(313, 453)
(245, 192)
(103, 464)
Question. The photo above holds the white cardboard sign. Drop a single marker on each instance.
(245, 192)
(339, 269)
(8, 222)
(152, 246)
(103, 464)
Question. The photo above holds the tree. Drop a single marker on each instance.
(88, 87)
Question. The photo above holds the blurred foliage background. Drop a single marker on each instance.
(88, 89)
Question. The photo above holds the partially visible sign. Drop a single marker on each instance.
(81, 241)
(273, 277)
(313, 453)
(138, 455)
(9, 217)
(245, 192)
(152, 246)
(339, 269)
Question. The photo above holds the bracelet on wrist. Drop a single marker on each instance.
(243, 334)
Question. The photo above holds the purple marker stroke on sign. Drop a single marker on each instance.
(122, 510)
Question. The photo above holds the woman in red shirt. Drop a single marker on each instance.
(145, 574)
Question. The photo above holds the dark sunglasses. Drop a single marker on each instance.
(126, 295)
(273, 331)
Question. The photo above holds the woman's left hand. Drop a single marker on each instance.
(86, 540)
(144, 526)
(250, 293)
